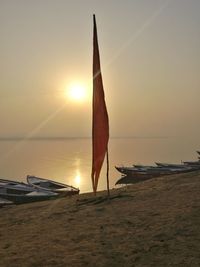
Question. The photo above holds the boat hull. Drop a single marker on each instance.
(22, 199)
(51, 186)
(20, 193)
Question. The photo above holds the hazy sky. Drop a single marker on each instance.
(149, 56)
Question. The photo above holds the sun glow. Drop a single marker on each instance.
(77, 179)
(76, 92)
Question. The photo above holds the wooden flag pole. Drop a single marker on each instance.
(100, 123)
(107, 173)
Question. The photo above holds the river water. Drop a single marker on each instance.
(69, 160)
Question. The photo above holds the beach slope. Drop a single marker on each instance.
(152, 223)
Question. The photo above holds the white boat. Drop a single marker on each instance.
(52, 186)
(20, 193)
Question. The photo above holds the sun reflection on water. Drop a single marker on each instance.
(77, 179)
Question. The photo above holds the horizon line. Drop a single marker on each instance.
(19, 138)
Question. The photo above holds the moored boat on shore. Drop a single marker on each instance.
(138, 173)
(20, 193)
(154, 170)
(51, 186)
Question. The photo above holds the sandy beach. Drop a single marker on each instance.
(153, 223)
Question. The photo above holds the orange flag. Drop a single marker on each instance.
(100, 126)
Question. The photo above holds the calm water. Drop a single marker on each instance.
(69, 160)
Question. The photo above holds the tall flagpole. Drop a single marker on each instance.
(100, 121)
(107, 173)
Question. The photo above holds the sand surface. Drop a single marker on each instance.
(153, 223)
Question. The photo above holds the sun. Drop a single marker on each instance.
(76, 92)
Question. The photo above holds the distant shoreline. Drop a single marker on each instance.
(40, 138)
(46, 138)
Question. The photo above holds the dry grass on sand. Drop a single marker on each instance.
(153, 223)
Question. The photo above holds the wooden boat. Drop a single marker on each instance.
(52, 186)
(132, 177)
(156, 171)
(126, 170)
(147, 171)
(11, 182)
(137, 173)
(15, 184)
(172, 165)
(20, 193)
